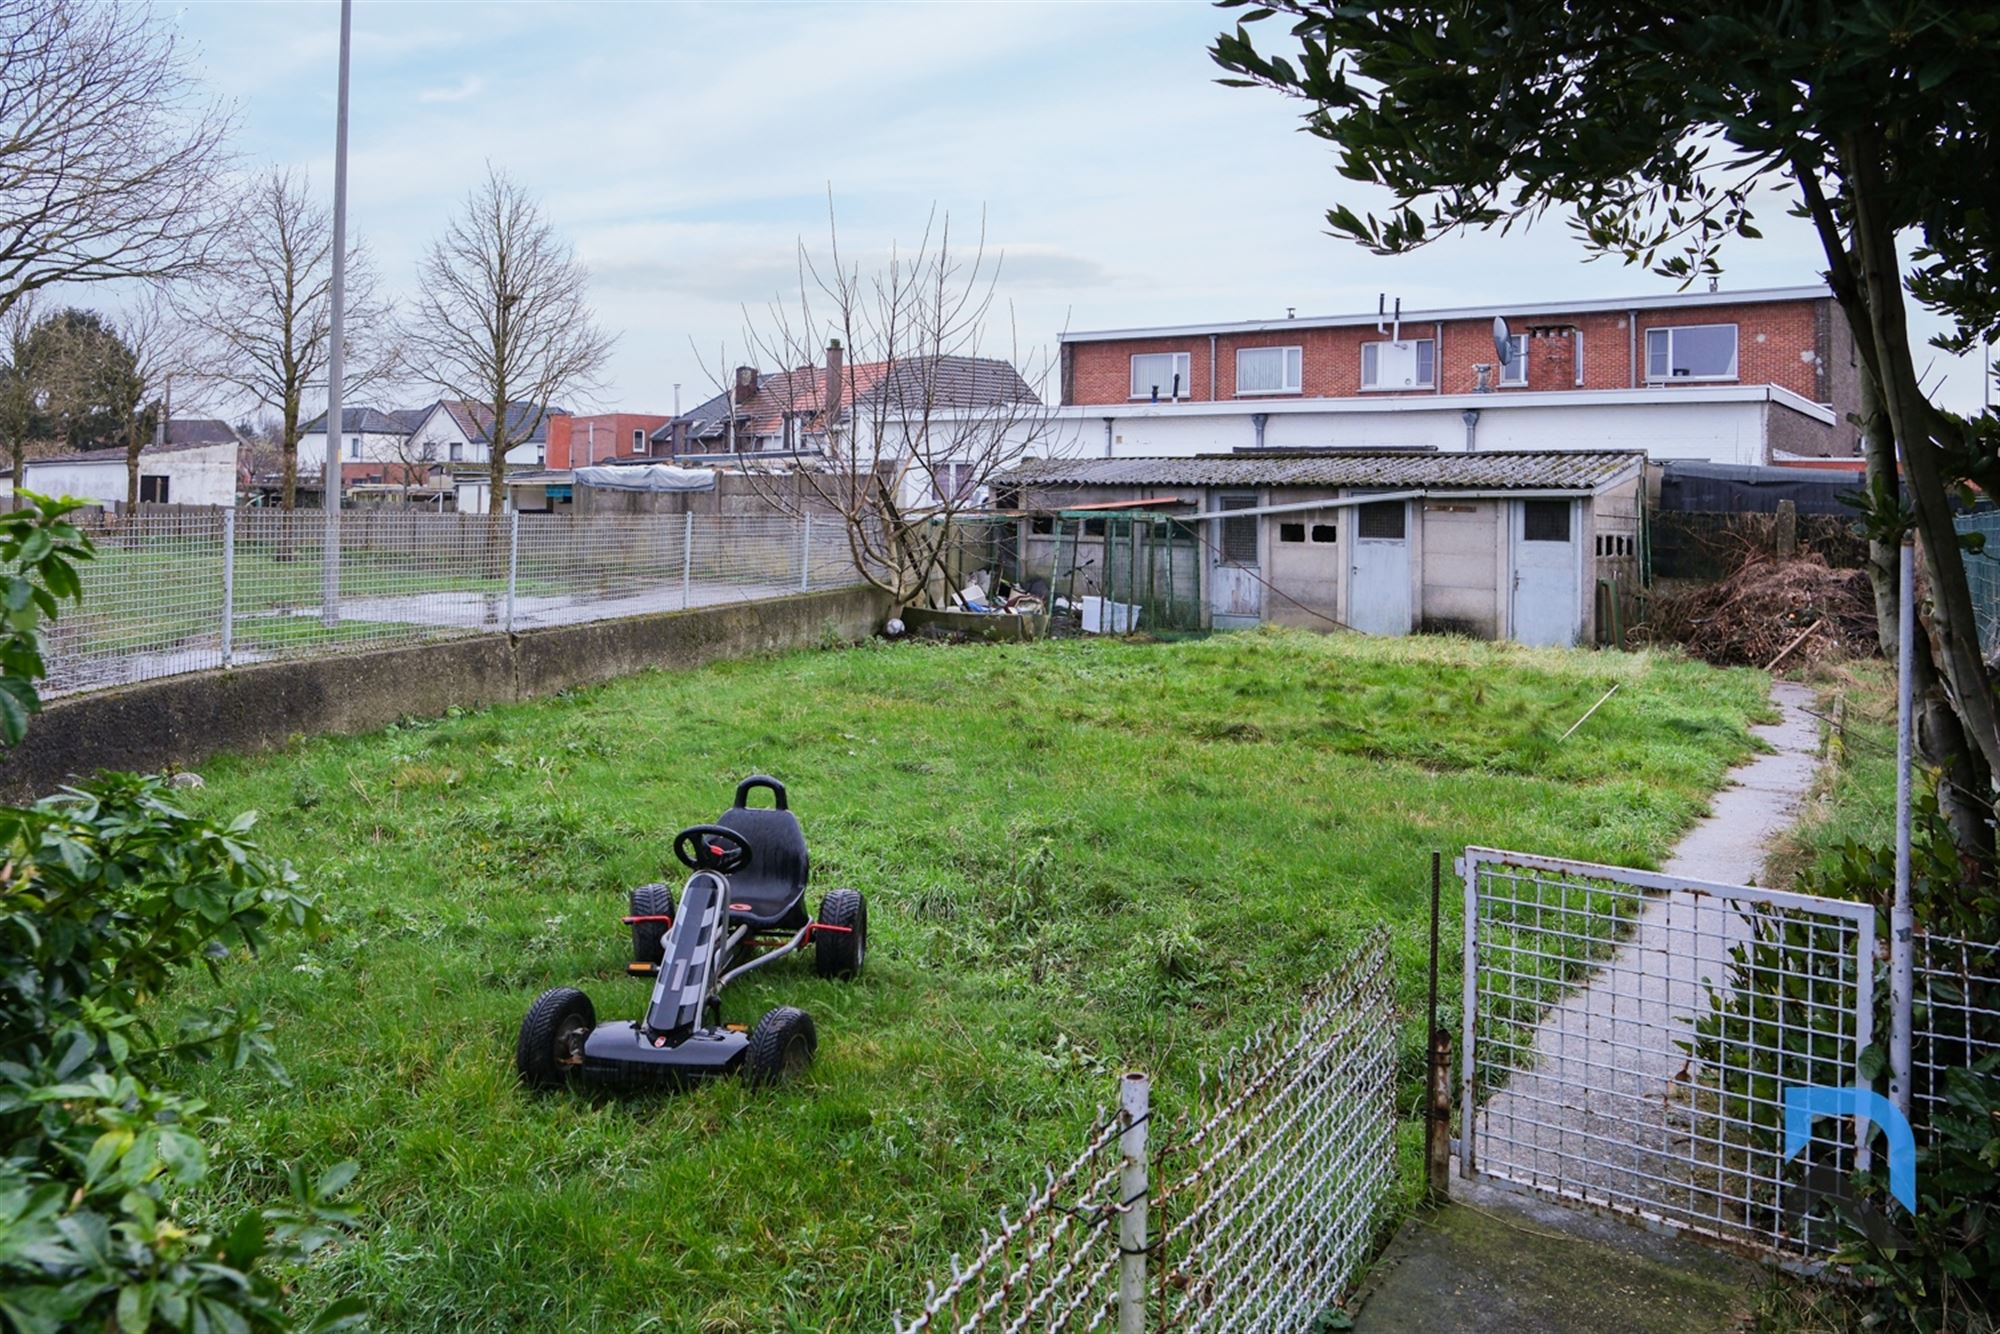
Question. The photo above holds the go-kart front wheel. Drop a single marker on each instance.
(841, 953)
(550, 1048)
(781, 1046)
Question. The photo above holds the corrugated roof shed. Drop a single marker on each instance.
(1526, 470)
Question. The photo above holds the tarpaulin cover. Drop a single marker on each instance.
(652, 477)
(1728, 488)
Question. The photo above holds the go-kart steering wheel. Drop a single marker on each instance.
(712, 847)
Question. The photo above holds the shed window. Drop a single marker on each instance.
(1239, 536)
(1291, 532)
(1545, 520)
(1692, 352)
(1093, 527)
(1381, 522)
(1041, 525)
(1160, 374)
(153, 488)
(1324, 532)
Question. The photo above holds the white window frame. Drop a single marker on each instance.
(1669, 330)
(1518, 363)
(638, 440)
(1294, 374)
(1576, 355)
(1413, 343)
(353, 448)
(1182, 365)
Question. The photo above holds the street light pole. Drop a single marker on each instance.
(336, 351)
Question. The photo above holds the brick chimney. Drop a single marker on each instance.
(746, 385)
(835, 384)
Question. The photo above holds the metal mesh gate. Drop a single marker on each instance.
(1629, 1037)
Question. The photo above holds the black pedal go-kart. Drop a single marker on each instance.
(743, 907)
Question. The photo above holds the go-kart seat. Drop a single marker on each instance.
(772, 887)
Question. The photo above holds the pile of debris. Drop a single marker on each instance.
(1770, 612)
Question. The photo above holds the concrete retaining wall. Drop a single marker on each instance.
(183, 720)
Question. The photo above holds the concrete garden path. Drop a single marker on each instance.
(1495, 1259)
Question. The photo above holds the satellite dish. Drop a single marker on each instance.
(1503, 342)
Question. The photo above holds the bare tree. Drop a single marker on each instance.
(164, 352)
(891, 382)
(414, 461)
(108, 155)
(503, 318)
(268, 311)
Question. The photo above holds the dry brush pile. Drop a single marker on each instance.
(1750, 617)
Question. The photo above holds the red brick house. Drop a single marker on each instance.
(1750, 377)
(579, 442)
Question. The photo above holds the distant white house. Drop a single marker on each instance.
(461, 432)
(368, 435)
(197, 465)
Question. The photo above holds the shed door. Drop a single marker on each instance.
(1236, 586)
(1545, 572)
(1378, 592)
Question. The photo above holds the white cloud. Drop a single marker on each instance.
(464, 90)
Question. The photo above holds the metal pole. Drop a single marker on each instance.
(1902, 920)
(336, 367)
(513, 562)
(687, 559)
(805, 554)
(229, 586)
(1134, 1107)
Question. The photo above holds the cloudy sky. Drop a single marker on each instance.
(686, 150)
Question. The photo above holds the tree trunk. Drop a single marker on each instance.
(288, 454)
(1969, 740)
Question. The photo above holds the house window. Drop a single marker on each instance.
(1577, 355)
(1380, 522)
(1239, 536)
(1691, 352)
(1291, 532)
(353, 446)
(1324, 532)
(1269, 370)
(458, 453)
(153, 488)
(1410, 364)
(1160, 374)
(1545, 521)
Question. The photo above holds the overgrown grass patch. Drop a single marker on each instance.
(1079, 857)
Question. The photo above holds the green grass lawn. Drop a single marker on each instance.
(1080, 857)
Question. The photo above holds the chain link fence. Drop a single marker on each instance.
(187, 590)
(1254, 1213)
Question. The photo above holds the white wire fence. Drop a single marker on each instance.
(177, 590)
(1251, 1210)
(1629, 1038)
(1955, 1021)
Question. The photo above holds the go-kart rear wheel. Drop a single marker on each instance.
(841, 953)
(781, 1046)
(655, 900)
(550, 1048)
